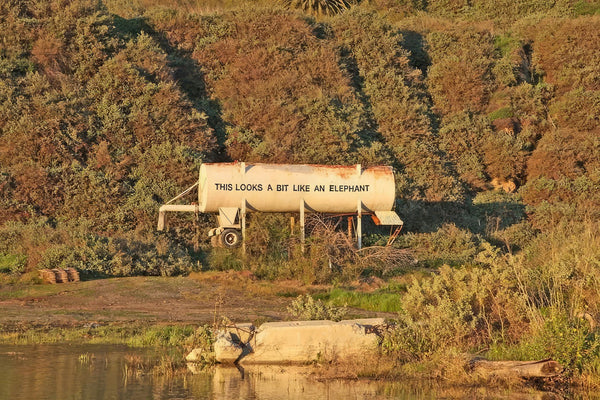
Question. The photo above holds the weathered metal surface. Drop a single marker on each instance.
(387, 218)
(173, 208)
(281, 187)
(228, 216)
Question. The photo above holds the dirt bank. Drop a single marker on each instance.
(198, 298)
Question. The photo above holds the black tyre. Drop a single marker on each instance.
(231, 238)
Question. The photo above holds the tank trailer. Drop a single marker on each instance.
(231, 190)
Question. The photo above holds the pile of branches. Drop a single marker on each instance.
(341, 249)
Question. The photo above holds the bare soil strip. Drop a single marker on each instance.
(197, 299)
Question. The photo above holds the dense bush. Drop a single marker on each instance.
(283, 97)
(96, 132)
(398, 107)
(306, 308)
(464, 308)
(531, 306)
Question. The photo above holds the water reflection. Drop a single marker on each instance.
(57, 372)
(275, 382)
(100, 372)
(289, 382)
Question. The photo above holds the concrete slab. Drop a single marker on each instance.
(227, 349)
(308, 341)
(296, 342)
(241, 332)
(369, 322)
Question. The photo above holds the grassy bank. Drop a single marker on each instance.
(386, 299)
(172, 343)
(132, 334)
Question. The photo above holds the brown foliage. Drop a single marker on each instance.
(458, 85)
(578, 109)
(567, 51)
(270, 74)
(34, 185)
(565, 152)
(46, 53)
(460, 77)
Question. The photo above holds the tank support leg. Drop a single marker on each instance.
(359, 226)
(243, 210)
(302, 225)
(350, 221)
(243, 223)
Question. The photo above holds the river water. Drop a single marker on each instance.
(90, 372)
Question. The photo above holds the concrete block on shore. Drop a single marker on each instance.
(232, 341)
(194, 356)
(241, 333)
(227, 350)
(301, 342)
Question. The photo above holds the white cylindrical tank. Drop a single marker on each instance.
(282, 187)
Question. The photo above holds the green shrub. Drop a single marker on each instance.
(385, 300)
(225, 260)
(569, 341)
(409, 342)
(584, 7)
(497, 210)
(552, 202)
(202, 338)
(461, 136)
(307, 308)
(448, 245)
(516, 236)
(397, 104)
(12, 263)
(505, 112)
(464, 309)
(170, 335)
(65, 256)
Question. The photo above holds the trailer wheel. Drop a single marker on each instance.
(231, 238)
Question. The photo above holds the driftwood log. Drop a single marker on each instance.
(522, 369)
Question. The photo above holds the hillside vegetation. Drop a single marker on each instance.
(489, 112)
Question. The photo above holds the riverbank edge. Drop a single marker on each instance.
(447, 370)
